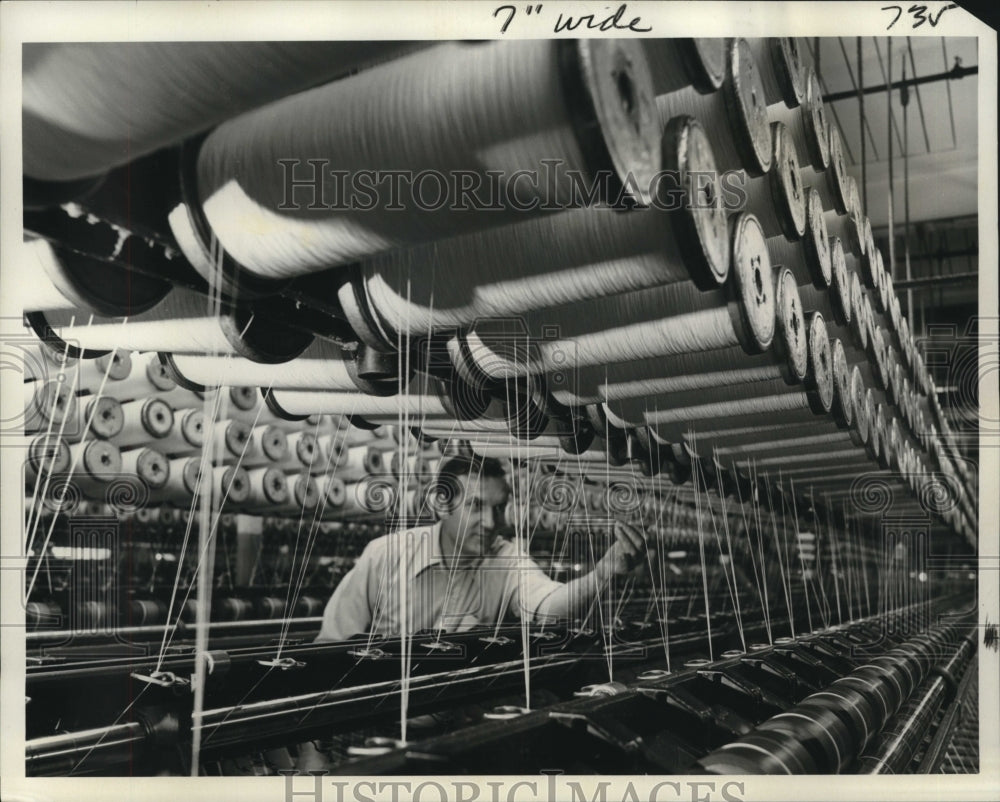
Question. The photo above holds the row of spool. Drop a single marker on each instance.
(766, 339)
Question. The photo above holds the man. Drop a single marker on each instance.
(459, 572)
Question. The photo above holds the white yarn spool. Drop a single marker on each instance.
(101, 418)
(306, 402)
(589, 253)
(807, 124)
(182, 322)
(149, 465)
(664, 321)
(306, 454)
(777, 199)
(781, 69)
(102, 373)
(735, 117)
(47, 289)
(146, 379)
(97, 463)
(187, 436)
(320, 367)
(303, 494)
(680, 65)
(495, 106)
(47, 404)
(229, 440)
(809, 258)
(145, 422)
(89, 107)
(39, 362)
(333, 492)
(369, 496)
(43, 453)
(831, 183)
(358, 462)
(267, 445)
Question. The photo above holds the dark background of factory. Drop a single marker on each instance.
(230, 388)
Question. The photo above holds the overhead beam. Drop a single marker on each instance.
(955, 73)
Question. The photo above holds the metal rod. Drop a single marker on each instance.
(955, 73)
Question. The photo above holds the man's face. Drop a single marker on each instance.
(477, 516)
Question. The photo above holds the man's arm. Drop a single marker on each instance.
(349, 611)
(571, 600)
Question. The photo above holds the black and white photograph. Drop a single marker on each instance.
(496, 402)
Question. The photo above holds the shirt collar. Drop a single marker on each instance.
(428, 550)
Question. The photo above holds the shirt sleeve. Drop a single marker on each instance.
(528, 585)
(349, 611)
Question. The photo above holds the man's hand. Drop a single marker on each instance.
(626, 554)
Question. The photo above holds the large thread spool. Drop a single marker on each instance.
(306, 454)
(144, 422)
(44, 453)
(41, 360)
(834, 303)
(149, 465)
(89, 107)
(589, 253)
(303, 494)
(676, 64)
(369, 496)
(358, 462)
(322, 366)
(146, 377)
(48, 288)
(229, 440)
(102, 373)
(820, 384)
(333, 492)
(103, 418)
(68, 277)
(807, 125)
(809, 257)
(266, 445)
(831, 183)
(735, 117)
(290, 403)
(184, 323)
(232, 483)
(778, 199)
(781, 69)
(793, 407)
(505, 107)
(787, 360)
(47, 404)
(187, 436)
(661, 323)
(98, 462)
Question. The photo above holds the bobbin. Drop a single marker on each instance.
(101, 286)
(103, 418)
(147, 464)
(808, 125)
(747, 110)
(187, 435)
(227, 440)
(239, 329)
(266, 444)
(102, 373)
(781, 69)
(97, 462)
(832, 184)
(144, 421)
(606, 92)
(45, 453)
(50, 405)
(674, 64)
(303, 493)
(781, 209)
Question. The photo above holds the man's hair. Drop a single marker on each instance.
(446, 488)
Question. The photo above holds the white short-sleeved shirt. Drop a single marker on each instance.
(372, 597)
